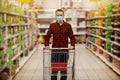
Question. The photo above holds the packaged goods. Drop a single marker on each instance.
(108, 45)
(116, 50)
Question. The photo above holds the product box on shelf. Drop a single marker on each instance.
(94, 48)
(99, 51)
(116, 63)
(98, 42)
(105, 55)
(5, 74)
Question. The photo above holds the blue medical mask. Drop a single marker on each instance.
(59, 18)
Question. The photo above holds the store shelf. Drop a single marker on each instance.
(116, 37)
(42, 34)
(116, 29)
(105, 51)
(18, 24)
(43, 27)
(103, 39)
(16, 45)
(80, 33)
(81, 27)
(12, 36)
(81, 17)
(102, 17)
(23, 61)
(106, 62)
(16, 56)
(101, 27)
(14, 14)
(46, 16)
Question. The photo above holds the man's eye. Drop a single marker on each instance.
(59, 15)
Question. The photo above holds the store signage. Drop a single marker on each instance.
(95, 0)
(24, 1)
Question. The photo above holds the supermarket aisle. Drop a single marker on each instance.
(88, 67)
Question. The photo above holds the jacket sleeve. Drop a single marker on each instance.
(71, 36)
(47, 37)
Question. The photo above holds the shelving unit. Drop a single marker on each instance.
(111, 65)
(113, 42)
(103, 35)
(18, 35)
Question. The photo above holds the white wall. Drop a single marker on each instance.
(51, 4)
(54, 4)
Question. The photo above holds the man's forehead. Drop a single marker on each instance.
(59, 12)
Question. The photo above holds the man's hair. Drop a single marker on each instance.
(59, 10)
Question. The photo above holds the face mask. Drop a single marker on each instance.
(59, 18)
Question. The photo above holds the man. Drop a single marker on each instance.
(61, 31)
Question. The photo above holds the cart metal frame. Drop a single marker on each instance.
(48, 67)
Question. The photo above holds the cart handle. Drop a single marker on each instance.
(59, 49)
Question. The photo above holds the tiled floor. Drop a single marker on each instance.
(88, 67)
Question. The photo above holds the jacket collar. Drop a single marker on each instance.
(62, 24)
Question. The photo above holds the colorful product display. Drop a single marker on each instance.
(13, 39)
(116, 20)
(106, 38)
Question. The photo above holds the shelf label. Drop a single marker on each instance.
(26, 1)
(95, 0)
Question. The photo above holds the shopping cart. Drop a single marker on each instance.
(59, 63)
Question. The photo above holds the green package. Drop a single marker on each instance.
(108, 45)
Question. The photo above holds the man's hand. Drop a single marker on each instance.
(71, 47)
(47, 47)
